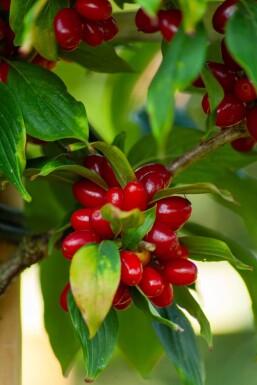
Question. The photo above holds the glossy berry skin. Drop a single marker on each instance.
(44, 63)
(122, 294)
(131, 268)
(230, 111)
(134, 196)
(88, 193)
(180, 272)
(182, 252)
(251, 122)
(173, 211)
(94, 9)
(110, 28)
(108, 175)
(146, 23)
(224, 76)
(101, 226)
(68, 29)
(93, 33)
(152, 283)
(245, 90)
(94, 162)
(76, 240)
(63, 297)
(124, 305)
(228, 59)
(80, 219)
(222, 14)
(165, 298)
(165, 241)
(169, 22)
(154, 167)
(152, 182)
(243, 144)
(4, 69)
(114, 196)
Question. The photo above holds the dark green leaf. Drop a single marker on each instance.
(118, 161)
(98, 350)
(94, 278)
(185, 300)
(49, 111)
(181, 347)
(132, 237)
(102, 58)
(120, 220)
(12, 140)
(18, 11)
(182, 62)
(242, 28)
(207, 249)
(119, 140)
(54, 275)
(143, 303)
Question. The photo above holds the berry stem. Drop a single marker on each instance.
(204, 148)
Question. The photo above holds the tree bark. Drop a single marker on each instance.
(10, 322)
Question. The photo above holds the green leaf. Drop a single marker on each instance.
(98, 350)
(144, 304)
(120, 220)
(135, 336)
(12, 140)
(94, 278)
(151, 6)
(211, 250)
(185, 300)
(195, 188)
(182, 62)
(193, 12)
(54, 275)
(102, 58)
(118, 161)
(119, 140)
(181, 347)
(18, 11)
(242, 28)
(49, 111)
(132, 237)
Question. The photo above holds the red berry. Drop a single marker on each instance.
(114, 196)
(134, 196)
(100, 225)
(94, 162)
(224, 11)
(224, 76)
(76, 240)
(44, 63)
(152, 283)
(169, 22)
(94, 9)
(2, 30)
(146, 23)
(154, 167)
(122, 294)
(88, 193)
(182, 252)
(180, 272)
(228, 59)
(251, 122)
(230, 111)
(131, 268)
(4, 69)
(124, 305)
(30, 139)
(108, 175)
(173, 211)
(93, 33)
(152, 182)
(80, 219)
(68, 28)
(110, 28)
(245, 90)
(165, 241)
(243, 144)
(63, 297)
(5, 5)
(165, 298)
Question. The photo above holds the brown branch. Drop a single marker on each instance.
(32, 249)
(206, 147)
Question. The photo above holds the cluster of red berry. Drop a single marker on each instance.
(167, 22)
(153, 272)
(90, 21)
(239, 93)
